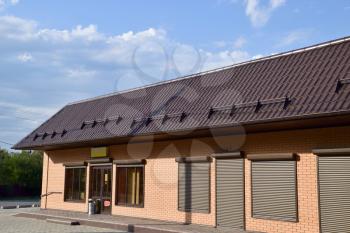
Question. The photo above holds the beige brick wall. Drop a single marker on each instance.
(301, 142)
(55, 179)
(161, 193)
(161, 174)
(161, 177)
(307, 201)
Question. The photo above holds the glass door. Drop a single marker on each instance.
(101, 187)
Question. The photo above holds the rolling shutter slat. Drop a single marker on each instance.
(194, 187)
(334, 185)
(274, 190)
(230, 193)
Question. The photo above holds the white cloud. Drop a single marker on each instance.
(18, 120)
(5, 3)
(224, 58)
(20, 29)
(18, 108)
(14, 2)
(25, 57)
(294, 37)
(31, 114)
(139, 36)
(145, 48)
(257, 56)
(187, 59)
(82, 62)
(12, 27)
(276, 3)
(226, 1)
(220, 44)
(259, 15)
(85, 55)
(239, 42)
(86, 34)
(80, 73)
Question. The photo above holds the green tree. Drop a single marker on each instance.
(21, 169)
(28, 169)
(6, 167)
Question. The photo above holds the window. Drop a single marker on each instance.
(274, 188)
(194, 185)
(75, 184)
(130, 184)
(100, 182)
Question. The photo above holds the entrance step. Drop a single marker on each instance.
(63, 222)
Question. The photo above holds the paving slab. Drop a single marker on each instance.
(11, 224)
(129, 224)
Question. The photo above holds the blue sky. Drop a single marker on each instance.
(56, 52)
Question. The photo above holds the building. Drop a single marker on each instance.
(262, 145)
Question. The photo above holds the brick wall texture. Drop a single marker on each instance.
(161, 175)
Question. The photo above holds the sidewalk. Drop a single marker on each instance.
(123, 223)
(11, 224)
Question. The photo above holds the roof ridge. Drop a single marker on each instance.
(282, 54)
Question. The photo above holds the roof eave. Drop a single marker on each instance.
(292, 123)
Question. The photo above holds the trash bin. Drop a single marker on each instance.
(98, 206)
(91, 207)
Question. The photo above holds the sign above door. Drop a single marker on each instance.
(99, 152)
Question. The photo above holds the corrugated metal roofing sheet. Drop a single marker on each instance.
(308, 78)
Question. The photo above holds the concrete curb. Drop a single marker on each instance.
(19, 206)
(63, 222)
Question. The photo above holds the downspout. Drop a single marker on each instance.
(47, 179)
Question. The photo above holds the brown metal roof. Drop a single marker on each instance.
(313, 81)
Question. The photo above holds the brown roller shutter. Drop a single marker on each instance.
(230, 192)
(334, 192)
(194, 187)
(274, 190)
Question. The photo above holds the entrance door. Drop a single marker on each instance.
(334, 192)
(101, 187)
(230, 192)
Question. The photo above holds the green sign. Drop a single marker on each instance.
(99, 152)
